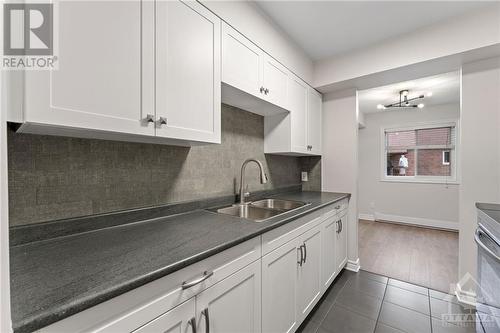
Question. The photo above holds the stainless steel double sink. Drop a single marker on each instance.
(261, 210)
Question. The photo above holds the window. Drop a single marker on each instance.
(424, 153)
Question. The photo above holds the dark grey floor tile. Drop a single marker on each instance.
(341, 320)
(373, 276)
(334, 291)
(368, 286)
(408, 299)
(308, 327)
(382, 328)
(440, 308)
(443, 296)
(404, 319)
(439, 326)
(320, 311)
(409, 286)
(359, 302)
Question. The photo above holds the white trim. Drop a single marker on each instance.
(368, 217)
(419, 180)
(353, 265)
(417, 221)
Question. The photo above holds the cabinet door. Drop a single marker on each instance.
(279, 289)
(314, 107)
(178, 320)
(341, 246)
(188, 94)
(328, 258)
(297, 104)
(309, 279)
(101, 65)
(241, 62)
(232, 305)
(274, 82)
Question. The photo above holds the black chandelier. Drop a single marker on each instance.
(404, 101)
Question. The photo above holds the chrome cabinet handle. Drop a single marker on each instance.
(162, 121)
(266, 91)
(192, 323)
(341, 225)
(337, 207)
(477, 237)
(338, 226)
(207, 320)
(305, 252)
(301, 256)
(149, 118)
(262, 90)
(206, 275)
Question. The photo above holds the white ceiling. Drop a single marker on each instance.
(327, 28)
(445, 89)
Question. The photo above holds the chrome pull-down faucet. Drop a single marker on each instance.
(263, 177)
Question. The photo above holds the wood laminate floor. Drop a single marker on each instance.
(422, 256)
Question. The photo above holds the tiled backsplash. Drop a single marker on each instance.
(57, 177)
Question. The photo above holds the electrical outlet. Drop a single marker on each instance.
(303, 176)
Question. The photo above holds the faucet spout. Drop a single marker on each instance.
(263, 177)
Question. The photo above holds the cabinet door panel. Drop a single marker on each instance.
(329, 266)
(101, 66)
(314, 107)
(297, 104)
(187, 71)
(241, 62)
(177, 320)
(341, 246)
(275, 80)
(279, 289)
(234, 304)
(309, 281)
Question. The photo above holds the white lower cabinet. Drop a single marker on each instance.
(328, 253)
(280, 270)
(341, 242)
(309, 277)
(178, 320)
(232, 305)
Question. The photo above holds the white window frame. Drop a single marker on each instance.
(454, 154)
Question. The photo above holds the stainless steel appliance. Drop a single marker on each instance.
(487, 237)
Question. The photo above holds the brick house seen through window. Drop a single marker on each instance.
(425, 152)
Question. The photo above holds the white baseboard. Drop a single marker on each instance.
(418, 221)
(368, 217)
(353, 265)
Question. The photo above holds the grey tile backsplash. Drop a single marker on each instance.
(54, 177)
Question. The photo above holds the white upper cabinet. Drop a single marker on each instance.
(98, 83)
(275, 81)
(241, 62)
(187, 72)
(314, 111)
(297, 103)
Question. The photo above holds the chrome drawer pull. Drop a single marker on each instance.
(206, 275)
(207, 320)
(192, 322)
(477, 238)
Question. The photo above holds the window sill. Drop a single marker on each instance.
(420, 181)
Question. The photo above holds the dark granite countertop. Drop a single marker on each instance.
(55, 278)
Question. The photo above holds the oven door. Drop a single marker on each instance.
(488, 293)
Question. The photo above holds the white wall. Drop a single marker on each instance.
(249, 20)
(480, 119)
(339, 161)
(416, 203)
(475, 30)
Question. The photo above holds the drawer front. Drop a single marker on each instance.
(277, 237)
(133, 309)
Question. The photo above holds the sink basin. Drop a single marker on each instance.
(278, 204)
(249, 212)
(261, 210)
